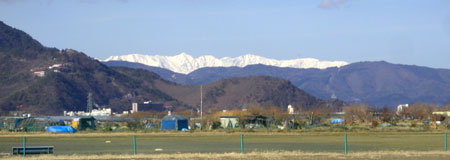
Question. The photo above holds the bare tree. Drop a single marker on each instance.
(420, 111)
(277, 114)
(357, 113)
(445, 108)
(255, 109)
(387, 114)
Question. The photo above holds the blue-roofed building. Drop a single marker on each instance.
(174, 122)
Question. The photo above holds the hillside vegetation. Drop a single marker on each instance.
(235, 93)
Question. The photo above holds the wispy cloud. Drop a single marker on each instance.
(331, 4)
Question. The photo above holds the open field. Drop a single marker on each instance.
(206, 142)
(275, 155)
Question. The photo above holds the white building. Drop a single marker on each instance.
(101, 112)
(444, 113)
(39, 73)
(290, 109)
(94, 112)
(54, 66)
(134, 107)
(401, 108)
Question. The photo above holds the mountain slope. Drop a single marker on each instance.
(237, 93)
(169, 75)
(69, 76)
(376, 83)
(184, 63)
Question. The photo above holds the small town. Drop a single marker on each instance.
(149, 117)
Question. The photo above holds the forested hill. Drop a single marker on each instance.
(237, 93)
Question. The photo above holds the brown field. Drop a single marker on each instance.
(210, 133)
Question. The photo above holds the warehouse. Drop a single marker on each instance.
(174, 122)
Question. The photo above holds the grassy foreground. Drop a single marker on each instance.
(204, 143)
(176, 145)
(429, 155)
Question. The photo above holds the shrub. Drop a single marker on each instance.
(375, 123)
(413, 124)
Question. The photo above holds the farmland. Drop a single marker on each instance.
(203, 144)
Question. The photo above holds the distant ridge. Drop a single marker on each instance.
(376, 83)
(185, 63)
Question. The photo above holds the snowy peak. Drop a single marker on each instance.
(185, 63)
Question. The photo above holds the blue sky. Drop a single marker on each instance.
(407, 31)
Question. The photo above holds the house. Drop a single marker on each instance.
(174, 122)
(229, 121)
(255, 121)
(10, 123)
(147, 106)
(39, 73)
(33, 123)
(83, 123)
(444, 113)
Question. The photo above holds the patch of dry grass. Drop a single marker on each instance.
(410, 155)
(175, 133)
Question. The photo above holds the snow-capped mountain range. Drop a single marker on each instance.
(185, 63)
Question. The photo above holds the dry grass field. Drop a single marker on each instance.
(222, 145)
(281, 155)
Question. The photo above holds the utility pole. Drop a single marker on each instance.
(201, 102)
(90, 103)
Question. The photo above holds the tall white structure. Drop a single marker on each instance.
(400, 108)
(134, 107)
(290, 109)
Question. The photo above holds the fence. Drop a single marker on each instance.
(213, 143)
